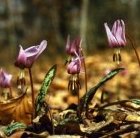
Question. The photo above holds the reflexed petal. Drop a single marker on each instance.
(73, 46)
(114, 28)
(111, 39)
(123, 31)
(22, 54)
(120, 33)
(41, 47)
(36, 50)
(116, 37)
(27, 57)
(21, 59)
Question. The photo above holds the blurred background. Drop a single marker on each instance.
(29, 22)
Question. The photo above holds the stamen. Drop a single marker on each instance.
(21, 80)
(117, 56)
(114, 57)
(120, 59)
(74, 84)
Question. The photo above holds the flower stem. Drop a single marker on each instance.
(32, 92)
(135, 50)
(10, 92)
(78, 111)
(85, 70)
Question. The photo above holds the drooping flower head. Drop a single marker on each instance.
(116, 36)
(27, 57)
(5, 79)
(74, 50)
(74, 68)
(73, 46)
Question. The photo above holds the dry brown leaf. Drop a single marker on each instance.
(16, 109)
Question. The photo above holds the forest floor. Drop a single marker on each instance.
(124, 86)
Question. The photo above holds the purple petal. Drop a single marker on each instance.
(111, 39)
(114, 28)
(5, 79)
(73, 67)
(120, 33)
(21, 59)
(73, 46)
(27, 57)
(41, 47)
(123, 31)
(36, 50)
(68, 45)
(31, 51)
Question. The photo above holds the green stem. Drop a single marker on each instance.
(32, 93)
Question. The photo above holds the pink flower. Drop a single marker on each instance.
(73, 46)
(116, 36)
(74, 66)
(5, 79)
(27, 57)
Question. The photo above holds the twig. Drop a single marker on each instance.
(113, 103)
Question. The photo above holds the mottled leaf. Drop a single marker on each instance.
(11, 128)
(44, 88)
(86, 99)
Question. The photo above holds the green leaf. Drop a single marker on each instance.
(44, 88)
(86, 99)
(136, 101)
(11, 128)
